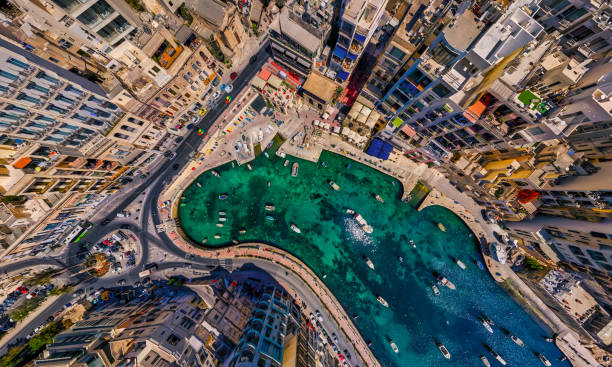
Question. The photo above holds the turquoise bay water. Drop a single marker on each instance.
(332, 244)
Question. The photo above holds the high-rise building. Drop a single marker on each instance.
(59, 143)
(584, 25)
(263, 339)
(298, 35)
(358, 21)
(584, 248)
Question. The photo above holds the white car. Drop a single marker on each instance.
(229, 88)
(216, 95)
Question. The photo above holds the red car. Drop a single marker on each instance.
(107, 243)
(233, 75)
(22, 289)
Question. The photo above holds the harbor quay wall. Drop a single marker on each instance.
(276, 256)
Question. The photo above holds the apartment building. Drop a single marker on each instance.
(436, 106)
(583, 248)
(584, 25)
(299, 34)
(192, 83)
(416, 22)
(358, 21)
(263, 339)
(157, 330)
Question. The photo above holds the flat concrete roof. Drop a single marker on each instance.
(600, 181)
(463, 31)
(320, 86)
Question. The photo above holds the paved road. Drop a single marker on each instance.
(148, 191)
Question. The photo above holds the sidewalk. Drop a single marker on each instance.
(8, 337)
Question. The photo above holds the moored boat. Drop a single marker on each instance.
(364, 224)
(443, 350)
(441, 226)
(222, 219)
(220, 225)
(266, 154)
(497, 356)
(221, 213)
(485, 361)
(269, 217)
(242, 231)
(286, 163)
(517, 340)
(350, 211)
(380, 199)
(480, 265)
(412, 243)
(460, 264)
(368, 262)
(333, 185)
(198, 184)
(543, 359)
(215, 173)
(487, 319)
(393, 346)
(217, 236)
(445, 282)
(295, 228)
(270, 207)
(294, 169)
(435, 289)
(486, 325)
(249, 167)
(223, 196)
(382, 301)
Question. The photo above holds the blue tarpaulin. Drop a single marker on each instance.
(343, 75)
(340, 52)
(360, 38)
(380, 149)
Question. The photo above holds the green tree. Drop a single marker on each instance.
(41, 278)
(533, 264)
(23, 310)
(60, 290)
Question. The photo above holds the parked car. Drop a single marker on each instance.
(106, 221)
(233, 75)
(126, 226)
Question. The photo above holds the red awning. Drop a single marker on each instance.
(22, 162)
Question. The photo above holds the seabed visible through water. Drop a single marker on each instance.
(333, 244)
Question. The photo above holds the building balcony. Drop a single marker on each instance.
(356, 47)
(348, 65)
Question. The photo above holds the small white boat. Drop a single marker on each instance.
(266, 154)
(222, 219)
(382, 301)
(445, 282)
(215, 173)
(249, 167)
(217, 236)
(364, 224)
(198, 184)
(270, 208)
(220, 225)
(517, 340)
(334, 185)
(412, 243)
(543, 359)
(380, 199)
(460, 264)
(435, 289)
(369, 262)
(294, 169)
(221, 213)
(443, 350)
(441, 226)
(486, 326)
(295, 228)
(350, 211)
(497, 356)
(286, 163)
(393, 346)
(485, 361)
